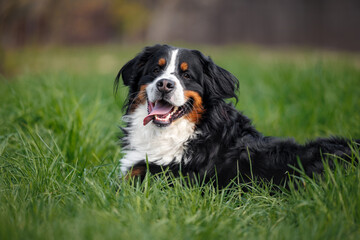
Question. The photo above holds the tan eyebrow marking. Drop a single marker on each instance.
(162, 62)
(184, 66)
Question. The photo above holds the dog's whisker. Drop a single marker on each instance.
(136, 94)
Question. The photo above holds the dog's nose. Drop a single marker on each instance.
(165, 85)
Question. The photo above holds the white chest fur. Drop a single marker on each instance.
(160, 145)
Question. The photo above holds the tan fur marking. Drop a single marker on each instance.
(162, 62)
(138, 171)
(184, 66)
(198, 109)
(139, 99)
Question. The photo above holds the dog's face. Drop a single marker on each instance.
(174, 83)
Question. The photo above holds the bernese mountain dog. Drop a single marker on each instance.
(177, 119)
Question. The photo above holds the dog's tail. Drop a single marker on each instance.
(276, 158)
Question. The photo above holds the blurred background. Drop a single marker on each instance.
(329, 24)
(283, 52)
(301, 24)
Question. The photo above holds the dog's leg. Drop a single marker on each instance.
(140, 169)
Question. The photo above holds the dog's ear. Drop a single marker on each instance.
(132, 70)
(221, 83)
(127, 72)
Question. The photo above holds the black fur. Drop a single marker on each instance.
(228, 145)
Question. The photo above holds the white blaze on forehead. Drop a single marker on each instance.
(172, 64)
(177, 97)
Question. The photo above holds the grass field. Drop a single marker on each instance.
(59, 151)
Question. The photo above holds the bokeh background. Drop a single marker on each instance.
(273, 47)
(331, 24)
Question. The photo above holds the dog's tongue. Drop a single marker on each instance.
(160, 108)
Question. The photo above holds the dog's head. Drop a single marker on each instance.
(174, 83)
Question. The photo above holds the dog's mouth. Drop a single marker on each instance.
(162, 113)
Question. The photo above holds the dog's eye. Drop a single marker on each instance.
(186, 76)
(156, 70)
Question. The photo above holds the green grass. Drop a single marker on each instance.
(59, 151)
